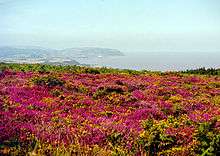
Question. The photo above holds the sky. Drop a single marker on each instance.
(127, 25)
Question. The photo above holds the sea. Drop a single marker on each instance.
(157, 61)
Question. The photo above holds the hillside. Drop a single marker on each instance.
(72, 110)
(53, 56)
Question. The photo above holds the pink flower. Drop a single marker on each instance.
(138, 95)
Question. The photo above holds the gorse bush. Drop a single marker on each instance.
(153, 139)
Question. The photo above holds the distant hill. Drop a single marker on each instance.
(53, 56)
(90, 52)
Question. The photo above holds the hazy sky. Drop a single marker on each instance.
(128, 25)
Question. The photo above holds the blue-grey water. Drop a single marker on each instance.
(158, 61)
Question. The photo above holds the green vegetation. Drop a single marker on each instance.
(44, 68)
(203, 71)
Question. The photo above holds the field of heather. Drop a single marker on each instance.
(89, 111)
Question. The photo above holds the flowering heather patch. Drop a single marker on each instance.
(82, 113)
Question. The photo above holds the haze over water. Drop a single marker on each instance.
(164, 61)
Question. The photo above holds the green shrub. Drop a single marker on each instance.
(208, 138)
(48, 81)
(153, 139)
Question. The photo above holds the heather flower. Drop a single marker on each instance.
(82, 111)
